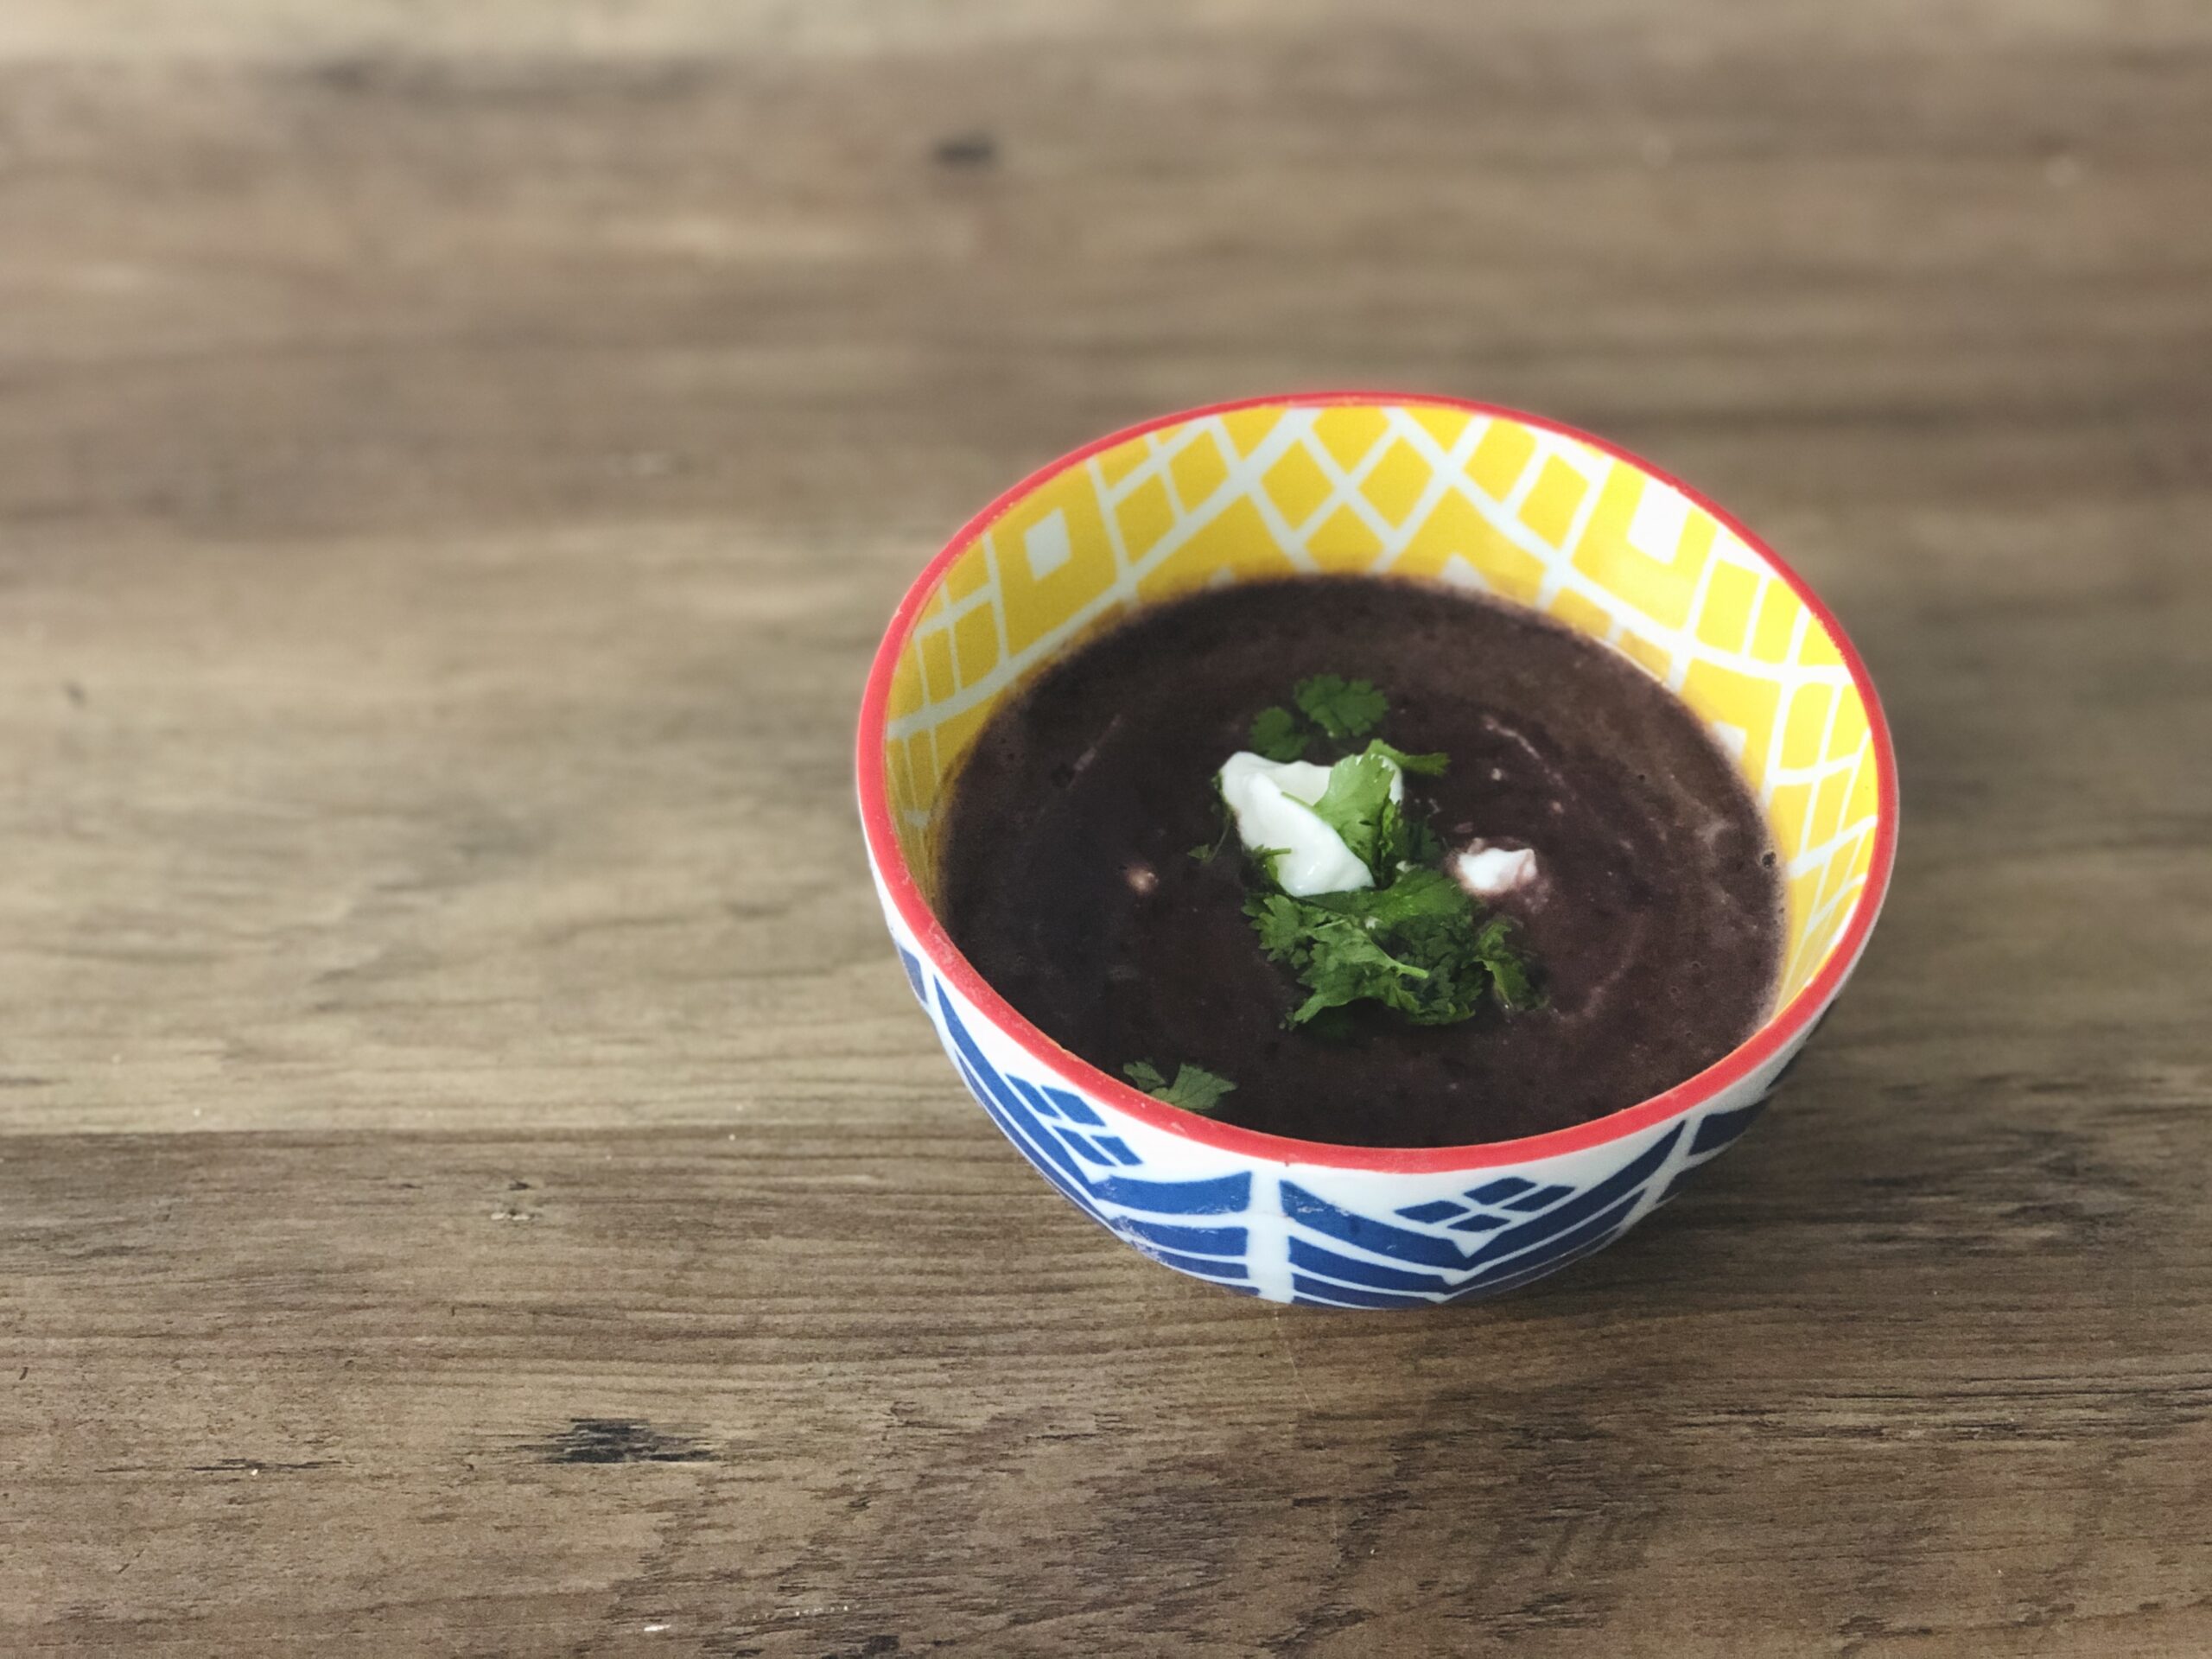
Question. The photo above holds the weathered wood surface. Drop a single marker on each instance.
(470, 1179)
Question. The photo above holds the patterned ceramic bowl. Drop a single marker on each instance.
(1426, 488)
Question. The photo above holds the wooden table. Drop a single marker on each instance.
(473, 1179)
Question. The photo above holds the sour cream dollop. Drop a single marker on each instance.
(1272, 802)
(1486, 871)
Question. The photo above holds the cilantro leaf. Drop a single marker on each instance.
(1340, 707)
(1356, 803)
(1281, 921)
(1421, 844)
(1508, 970)
(1277, 734)
(1415, 946)
(1334, 955)
(1414, 893)
(1337, 709)
(1428, 765)
(1394, 839)
(1195, 1089)
(1405, 841)
(1206, 851)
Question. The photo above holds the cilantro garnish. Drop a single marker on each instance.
(1195, 1089)
(1206, 851)
(1508, 970)
(1429, 766)
(1423, 845)
(1342, 708)
(1414, 942)
(1277, 734)
(1414, 946)
(1329, 706)
(1357, 805)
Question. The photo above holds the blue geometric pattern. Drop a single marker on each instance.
(1565, 1225)
(1123, 1204)
(914, 976)
(1498, 1191)
(1496, 1236)
(1439, 1210)
(1719, 1129)
(1716, 1131)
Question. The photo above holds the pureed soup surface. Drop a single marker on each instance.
(1068, 877)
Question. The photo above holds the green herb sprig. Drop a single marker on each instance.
(1328, 706)
(1340, 707)
(1277, 733)
(1358, 805)
(1418, 946)
(1414, 942)
(1195, 1089)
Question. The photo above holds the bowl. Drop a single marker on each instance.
(1424, 488)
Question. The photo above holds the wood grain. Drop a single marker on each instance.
(470, 1179)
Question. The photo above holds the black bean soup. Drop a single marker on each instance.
(1656, 918)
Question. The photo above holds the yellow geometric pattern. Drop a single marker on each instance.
(1426, 491)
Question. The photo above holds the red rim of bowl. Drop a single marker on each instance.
(1740, 1062)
